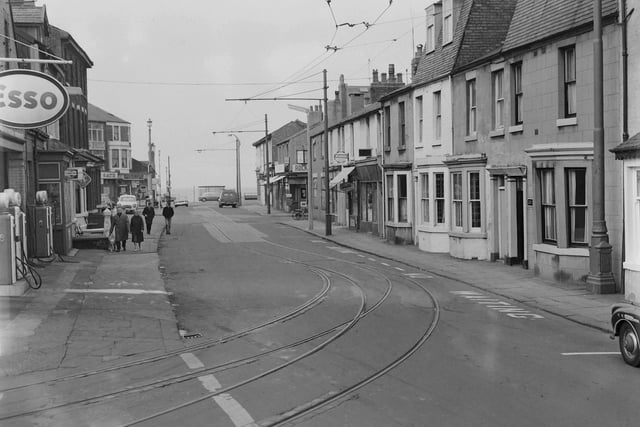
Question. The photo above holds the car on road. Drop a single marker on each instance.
(181, 203)
(128, 203)
(228, 198)
(625, 322)
(209, 197)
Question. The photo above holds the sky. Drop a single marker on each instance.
(180, 64)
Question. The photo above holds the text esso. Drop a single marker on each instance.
(30, 99)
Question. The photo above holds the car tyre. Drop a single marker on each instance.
(234, 206)
(629, 345)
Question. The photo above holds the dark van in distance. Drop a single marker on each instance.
(228, 198)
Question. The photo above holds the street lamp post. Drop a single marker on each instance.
(150, 167)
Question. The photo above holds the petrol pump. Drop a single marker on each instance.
(43, 227)
(12, 236)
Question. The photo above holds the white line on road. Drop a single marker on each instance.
(116, 291)
(371, 259)
(591, 353)
(399, 269)
(385, 264)
(238, 415)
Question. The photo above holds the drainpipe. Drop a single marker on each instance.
(625, 74)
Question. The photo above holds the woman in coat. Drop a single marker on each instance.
(137, 231)
(120, 224)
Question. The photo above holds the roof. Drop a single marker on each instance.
(97, 114)
(536, 20)
(487, 26)
(283, 132)
(434, 65)
(58, 35)
(628, 148)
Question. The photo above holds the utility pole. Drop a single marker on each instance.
(238, 183)
(169, 177)
(266, 150)
(327, 198)
(600, 278)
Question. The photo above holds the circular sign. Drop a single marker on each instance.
(30, 99)
(341, 157)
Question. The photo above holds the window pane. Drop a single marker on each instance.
(390, 211)
(475, 214)
(579, 225)
(439, 197)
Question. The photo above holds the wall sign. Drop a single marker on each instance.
(30, 99)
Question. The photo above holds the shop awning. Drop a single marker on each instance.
(342, 175)
(276, 179)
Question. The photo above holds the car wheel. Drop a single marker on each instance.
(629, 345)
(234, 206)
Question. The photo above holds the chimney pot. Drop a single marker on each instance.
(384, 77)
(375, 76)
(399, 78)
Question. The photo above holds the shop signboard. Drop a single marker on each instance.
(109, 175)
(30, 99)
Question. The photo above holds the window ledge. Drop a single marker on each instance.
(495, 133)
(554, 250)
(631, 265)
(463, 235)
(399, 224)
(570, 121)
(472, 137)
(516, 129)
(437, 144)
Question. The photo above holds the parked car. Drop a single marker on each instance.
(625, 322)
(228, 198)
(208, 197)
(127, 202)
(181, 203)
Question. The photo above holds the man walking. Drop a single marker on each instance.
(148, 213)
(167, 213)
(120, 223)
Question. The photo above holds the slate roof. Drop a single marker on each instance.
(283, 132)
(486, 29)
(630, 147)
(481, 26)
(536, 20)
(99, 115)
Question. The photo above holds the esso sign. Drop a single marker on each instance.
(30, 99)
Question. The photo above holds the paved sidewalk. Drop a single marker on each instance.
(571, 302)
(93, 308)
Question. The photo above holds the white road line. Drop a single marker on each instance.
(361, 256)
(237, 414)
(192, 361)
(591, 353)
(385, 264)
(399, 269)
(371, 259)
(116, 291)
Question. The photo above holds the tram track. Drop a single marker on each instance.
(290, 415)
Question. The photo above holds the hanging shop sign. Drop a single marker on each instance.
(30, 99)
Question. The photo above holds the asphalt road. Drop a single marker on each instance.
(344, 339)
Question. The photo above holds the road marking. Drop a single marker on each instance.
(385, 264)
(399, 269)
(237, 414)
(498, 305)
(192, 361)
(418, 275)
(317, 241)
(371, 259)
(361, 256)
(341, 249)
(116, 291)
(591, 353)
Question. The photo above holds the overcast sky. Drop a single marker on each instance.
(177, 63)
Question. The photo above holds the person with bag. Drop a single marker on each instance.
(120, 224)
(167, 213)
(148, 213)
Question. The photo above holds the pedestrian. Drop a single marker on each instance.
(149, 212)
(120, 223)
(167, 213)
(137, 231)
